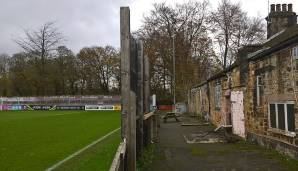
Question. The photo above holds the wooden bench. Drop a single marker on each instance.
(170, 115)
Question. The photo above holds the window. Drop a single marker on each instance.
(295, 52)
(259, 86)
(282, 116)
(217, 95)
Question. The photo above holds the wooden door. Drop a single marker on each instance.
(237, 108)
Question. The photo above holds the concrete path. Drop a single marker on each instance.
(173, 153)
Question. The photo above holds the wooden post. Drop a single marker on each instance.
(147, 99)
(125, 68)
(140, 96)
(133, 102)
(146, 85)
(127, 95)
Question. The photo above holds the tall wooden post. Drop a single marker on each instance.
(146, 85)
(133, 102)
(125, 67)
(147, 99)
(140, 96)
(127, 95)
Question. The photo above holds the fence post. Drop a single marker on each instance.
(125, 67)
(133, 102)
(146, 85)
(140, 96)
(128, 96)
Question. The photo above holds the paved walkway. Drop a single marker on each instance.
(173, 153)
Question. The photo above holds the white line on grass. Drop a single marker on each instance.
(81, 150)
(61, 114)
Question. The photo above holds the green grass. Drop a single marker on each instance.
(287, 162)
(196, 151)
(35, 140)
(145, 160)
(98, 157)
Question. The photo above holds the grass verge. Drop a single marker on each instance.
(98, 157)
(146, 158)
(35, 140)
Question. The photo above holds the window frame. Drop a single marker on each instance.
(291, 133)
(217, 97)
(294, 52)
(258, 86)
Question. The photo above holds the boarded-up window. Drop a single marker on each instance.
(282, 116)
(217, 96)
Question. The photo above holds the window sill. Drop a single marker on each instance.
(286, 133)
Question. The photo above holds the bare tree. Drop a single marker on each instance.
(3, 64)
(232, 28)
(39, 44)
(187, 24)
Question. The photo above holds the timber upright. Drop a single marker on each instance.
(135, 95)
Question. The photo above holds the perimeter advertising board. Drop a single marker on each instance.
(13, 107)
(70, 107)
(102, 107)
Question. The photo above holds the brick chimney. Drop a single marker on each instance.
(279, 18)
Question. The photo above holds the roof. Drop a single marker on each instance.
(219, 74)
(276, 42)
(282, 36)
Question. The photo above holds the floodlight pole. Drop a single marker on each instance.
(174, 75)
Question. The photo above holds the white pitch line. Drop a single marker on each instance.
(81, 150)
(65, 114)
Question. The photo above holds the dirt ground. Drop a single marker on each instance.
(173, 153)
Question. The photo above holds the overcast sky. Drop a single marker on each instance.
(88, 22)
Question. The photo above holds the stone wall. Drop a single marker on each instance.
(198, 103)
(215, 112)
(278, 72)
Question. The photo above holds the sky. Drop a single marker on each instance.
(89, 22)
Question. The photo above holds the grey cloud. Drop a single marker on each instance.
(83, 22)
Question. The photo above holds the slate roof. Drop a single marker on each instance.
(277, 42)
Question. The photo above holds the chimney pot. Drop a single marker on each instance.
(278, 7)
(290, 7)
(284, 7)
(272, 8)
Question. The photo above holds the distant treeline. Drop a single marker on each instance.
(94, 70)
(204, 40)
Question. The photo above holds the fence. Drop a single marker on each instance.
(137, 122)
(118, 162)
(61, 103)
(63, 100)
(149, 135)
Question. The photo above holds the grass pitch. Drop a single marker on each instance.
(36, 140)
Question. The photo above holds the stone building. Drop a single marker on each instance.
(257, 96)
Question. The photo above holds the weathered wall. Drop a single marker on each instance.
(215, 112)
(198, 103)
(192, 101)
(204, 95)
(278, 73)
(278, 85)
